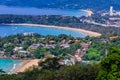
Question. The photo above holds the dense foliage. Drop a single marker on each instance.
(110, 66)
(108, 69)
(75, 72)
(8, 44)
(50, 69)
(64, 4)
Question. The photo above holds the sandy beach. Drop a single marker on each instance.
(89, 33)
(26, 64)
(89, 12)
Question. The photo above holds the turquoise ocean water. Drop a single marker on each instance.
(8, 65)
(10, 30)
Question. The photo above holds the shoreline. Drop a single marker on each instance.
(89, 12)
(86, 32)
(24, 65)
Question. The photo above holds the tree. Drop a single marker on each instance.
(50, 64)
(1, 71)
(110, 66)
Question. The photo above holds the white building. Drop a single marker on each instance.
(111, 11)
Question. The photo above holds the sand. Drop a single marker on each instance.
(26, 64)
(89, 12)
(88, 33)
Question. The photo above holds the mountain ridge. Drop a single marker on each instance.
(64, 4)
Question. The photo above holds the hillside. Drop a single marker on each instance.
(64, 4)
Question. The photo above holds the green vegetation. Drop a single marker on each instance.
(99, 50)
(36, 46)
(108, 69)
(110, 66)
(96, 51)
(51, 70)
(92, 55)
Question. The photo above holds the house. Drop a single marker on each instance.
(28, 34)
(41, 44)
(34, 46)
(113, 37)
(77, 41)
(50, 46)
(64, 45)
(69, 41)
(2, 54)
(79, 53)
(61, 62)
(65, 62)
(23, 53)
(63, 41)
(51, 41)
(17, 48)
(85, 45)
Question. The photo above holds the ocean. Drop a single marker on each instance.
(37, 11)
(11, 30)
(8, 64)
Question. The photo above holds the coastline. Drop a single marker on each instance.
(86, 32)
(89, 12)
(26, 64)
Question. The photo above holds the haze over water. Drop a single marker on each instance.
(37, 11)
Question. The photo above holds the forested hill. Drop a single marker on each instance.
(68, 4)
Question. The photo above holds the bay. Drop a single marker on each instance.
(11, 30)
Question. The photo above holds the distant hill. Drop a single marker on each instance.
(65, 4)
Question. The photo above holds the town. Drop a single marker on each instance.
(73, 50)
(104, 18)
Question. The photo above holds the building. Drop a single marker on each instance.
(85, 45)
(50, 46)
(64, 45)
(18, 48)
(51, 41)
(34, 46)
(79, 53)
(28, 34)
(67, 62)
(111, 11)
